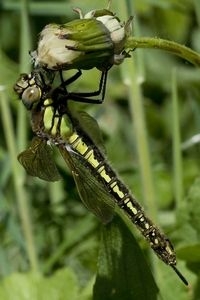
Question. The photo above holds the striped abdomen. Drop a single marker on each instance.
(99, 167)
(59, 129)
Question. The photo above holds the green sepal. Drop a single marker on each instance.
(79, 44)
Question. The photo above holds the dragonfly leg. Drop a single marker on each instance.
(86, 97)
(68, 81)
(62, 88)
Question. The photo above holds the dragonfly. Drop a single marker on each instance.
(78, 138)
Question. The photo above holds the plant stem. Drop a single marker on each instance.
(132, 79)
(177, 159)
(21, 141)
(18, 180)
(172, 47)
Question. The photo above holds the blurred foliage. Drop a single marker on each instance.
(66, 236)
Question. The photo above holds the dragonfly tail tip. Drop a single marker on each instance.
(180, 275)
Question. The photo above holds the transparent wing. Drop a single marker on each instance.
(92, 191)
(37, 161)
(89, 124)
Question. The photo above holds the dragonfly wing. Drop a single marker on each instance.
(37, 161)
(92, 191)
(88, 124)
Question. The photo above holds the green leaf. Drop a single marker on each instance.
(188, 228)
(122, 270)
(32, 286)
(170, 285)
(191, 253)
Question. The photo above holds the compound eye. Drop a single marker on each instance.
(30, 96)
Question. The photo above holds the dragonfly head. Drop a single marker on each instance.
(28, 91)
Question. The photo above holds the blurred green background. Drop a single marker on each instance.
(150, 121)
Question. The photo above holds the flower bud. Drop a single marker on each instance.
(95, 40)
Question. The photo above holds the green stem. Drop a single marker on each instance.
(132, 79)
(172, 47)
(21, 140)
(197, 10)
(178, 183)
(135, 99)
(18, 179)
